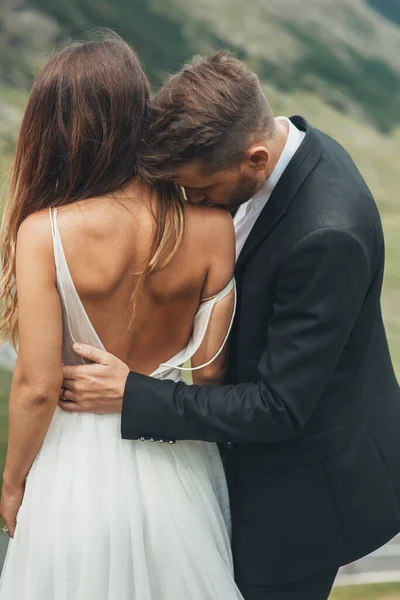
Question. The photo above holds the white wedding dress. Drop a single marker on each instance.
(109, 519)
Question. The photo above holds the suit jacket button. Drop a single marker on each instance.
(230, 446)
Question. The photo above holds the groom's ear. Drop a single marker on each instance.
(258, 157)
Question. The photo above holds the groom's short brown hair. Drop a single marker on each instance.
(209, 111)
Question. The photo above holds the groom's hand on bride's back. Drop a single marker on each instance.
(94, 388)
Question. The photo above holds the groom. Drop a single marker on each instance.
(309, 418)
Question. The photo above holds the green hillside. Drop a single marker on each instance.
(390, 9)
(158, 39)
(345, 51)
(383, 591)
(341, 50)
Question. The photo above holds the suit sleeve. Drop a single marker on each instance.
(321, 286)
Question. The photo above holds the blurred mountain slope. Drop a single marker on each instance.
(343, 50)
(388, 8)
(346, 51)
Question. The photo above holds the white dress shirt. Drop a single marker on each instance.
(249, 212)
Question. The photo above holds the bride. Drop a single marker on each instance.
(100, 256)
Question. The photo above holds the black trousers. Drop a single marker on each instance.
(315, 588)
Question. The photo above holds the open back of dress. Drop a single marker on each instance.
(78, 327)
(110, 519)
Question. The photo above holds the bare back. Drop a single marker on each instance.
(105, 242)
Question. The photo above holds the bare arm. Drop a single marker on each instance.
(38, 374)
(222, 263)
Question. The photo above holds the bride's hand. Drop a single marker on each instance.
(11, 500)
(97, 387)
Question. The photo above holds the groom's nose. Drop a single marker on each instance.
(195, 196)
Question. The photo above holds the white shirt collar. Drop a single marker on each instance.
(294, 139)
(293, 142)
(248, 213)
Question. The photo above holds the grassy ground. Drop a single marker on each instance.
(388, 591)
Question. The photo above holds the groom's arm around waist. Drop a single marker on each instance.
(321, 287)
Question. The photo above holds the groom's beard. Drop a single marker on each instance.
(246, 188)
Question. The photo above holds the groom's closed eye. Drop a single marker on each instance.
(196, 196)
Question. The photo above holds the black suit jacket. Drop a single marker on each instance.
(311, 413)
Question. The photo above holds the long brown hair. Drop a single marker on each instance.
(81, 137)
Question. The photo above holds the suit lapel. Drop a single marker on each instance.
(301, 165)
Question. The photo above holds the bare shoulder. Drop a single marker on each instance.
(34, 234)
(213, 226)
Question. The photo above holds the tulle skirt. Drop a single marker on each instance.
(109, 519)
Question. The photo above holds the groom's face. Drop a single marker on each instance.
(226, 188)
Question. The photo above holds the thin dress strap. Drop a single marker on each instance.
(208, 306)
(52, 213)
(76, 323)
